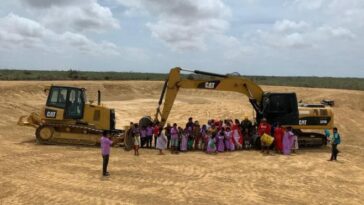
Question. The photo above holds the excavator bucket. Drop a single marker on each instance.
(32, 120)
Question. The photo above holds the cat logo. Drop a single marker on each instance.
(302, 122)
(210, 85)
(50, 113)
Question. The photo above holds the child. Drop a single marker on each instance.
(211, 146)
(184, 140)
(162, 141)
(204, 139)
(229, 142)
(220, 140)
(295, 144)
(327, 135)
(335, 141)
(136, 136)
(247, 138)
(174, 139)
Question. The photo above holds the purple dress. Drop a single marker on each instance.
(184, 142)
(287, 142)
(220, 143)
(229, 143)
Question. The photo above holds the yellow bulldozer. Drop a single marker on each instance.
(67, 118)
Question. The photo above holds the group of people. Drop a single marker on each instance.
(214, 137)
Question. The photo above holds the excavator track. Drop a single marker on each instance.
(310, 139)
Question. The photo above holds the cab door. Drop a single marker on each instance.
(75, 104)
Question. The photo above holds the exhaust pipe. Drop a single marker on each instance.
(98, 97)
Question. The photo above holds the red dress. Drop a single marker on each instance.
(278, 137)
(264, 128)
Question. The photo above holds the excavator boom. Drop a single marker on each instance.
(221, 83)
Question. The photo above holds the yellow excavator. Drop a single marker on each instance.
(275, 107)
(66, 118)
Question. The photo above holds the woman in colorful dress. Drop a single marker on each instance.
(211, 145)
(229, 140)
(220, 140)
(288, 141)
(236, 134)
(278, 138)
(184, 140)
(162, 142)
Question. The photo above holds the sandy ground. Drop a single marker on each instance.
(38, 174)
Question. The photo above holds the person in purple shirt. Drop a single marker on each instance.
(149, 136)
(143, 136)
(105, 143)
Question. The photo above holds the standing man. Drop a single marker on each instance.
(190, 123)
(105, 151)
(335, 141)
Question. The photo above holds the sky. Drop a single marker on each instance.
(251, 37)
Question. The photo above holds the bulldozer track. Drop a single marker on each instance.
(73, 129)
(96, 131)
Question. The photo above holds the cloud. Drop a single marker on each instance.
(23, 33)
(308, 4)
(74, 15)
(300, 34)
(277, 40)
(18, 31)
(338, 32)
(51, 3)
(184, 25)
(287, 25)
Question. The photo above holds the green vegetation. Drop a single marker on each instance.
(314, 82)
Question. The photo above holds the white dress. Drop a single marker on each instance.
(162, 141)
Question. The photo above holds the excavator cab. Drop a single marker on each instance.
(70, 99)
(280, 107)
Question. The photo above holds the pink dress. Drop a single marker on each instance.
(184, 141)
(287, 142)
(220, 143)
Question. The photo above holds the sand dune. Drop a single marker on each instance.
(36, 174)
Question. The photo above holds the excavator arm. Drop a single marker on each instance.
(220, 83)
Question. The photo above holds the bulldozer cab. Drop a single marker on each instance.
(70, 99)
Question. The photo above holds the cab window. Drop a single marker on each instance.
(280, 104)
(57, 97)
